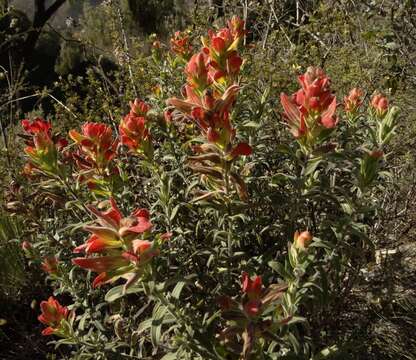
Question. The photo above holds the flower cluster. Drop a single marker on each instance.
(298, 249)
(126, 248)
(302, 240)
(180, 45)
(123, 251)
(221, 48)
(311, 110)
(93, 157)
(42, 148)
(379, 105)
(252, 289)
(96, 146)
(248, 318)
(134, 132)
(58, 318)
(210, 93)
(50, 265)
(353, 101)
(210, 89)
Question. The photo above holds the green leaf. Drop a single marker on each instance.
(118, 291)
(312, 165)
(144, 325)
(174, 212)
(252, 124)
(169, 356)
(81, 324)
(176, 293)
(157, 320)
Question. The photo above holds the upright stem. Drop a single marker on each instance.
(198, 348)
(229, 210)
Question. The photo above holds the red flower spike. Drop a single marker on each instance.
(302, 240)
(122, 253)
(210, 94)
(52, 315)
(134, 130)
(252, 288)
(42, 149)
(180, 45)
(50, 265)
(353, 101)
(312, 108)
(380, 104)
(139, 107)
(36, 126)
(96, 144)
(241, 149)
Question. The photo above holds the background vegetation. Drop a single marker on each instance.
(87, 60)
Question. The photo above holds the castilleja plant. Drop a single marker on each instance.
(121, 245)
(310, 112)
(221, 48)
(180, 45)
(287, 192)
(96, 150)
(385, 120)
(352, 103)
(256, 316)
(295, 271)
(42, 147)
(50, 266)
(134, 130)
(58, 318)
(211, 92)
(379, 105)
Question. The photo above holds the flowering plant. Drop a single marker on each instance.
(221, 186)
(57, 317)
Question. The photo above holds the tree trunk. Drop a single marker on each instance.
(40, 18)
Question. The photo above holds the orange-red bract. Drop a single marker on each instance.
(134, 131)
(312, 108)
(52, 315)
(50, 265)
(302, 240)
(380, 104)
(353, 101)
(96, 144)
(116, 239)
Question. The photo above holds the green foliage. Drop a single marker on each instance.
(340, 192)
(12, 266)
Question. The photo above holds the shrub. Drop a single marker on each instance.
(252, 222)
